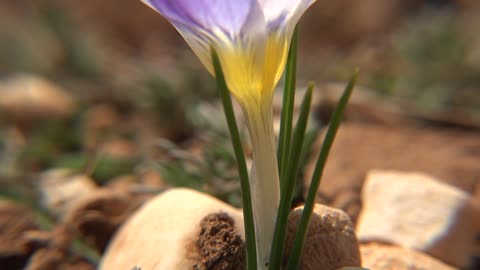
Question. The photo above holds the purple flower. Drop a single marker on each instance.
(251, 38)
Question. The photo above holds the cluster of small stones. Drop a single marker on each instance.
(408, 221)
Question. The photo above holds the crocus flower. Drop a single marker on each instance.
(251, 38)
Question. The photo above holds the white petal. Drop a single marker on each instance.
(200, 42)
(279, 13)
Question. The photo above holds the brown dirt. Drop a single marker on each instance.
(219, 245)
(15, 222)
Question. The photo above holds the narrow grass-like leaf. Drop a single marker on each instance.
(308, 142)
(242, 166)
(80, 246)
(287, 107)
(299, 240)
(311, 134)
(288, 186)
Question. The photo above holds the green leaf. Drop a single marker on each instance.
(288, 185)
(242, 166)
(104, 168)
(176, 174)
(287, 106)
(81, 246)
(297, 248)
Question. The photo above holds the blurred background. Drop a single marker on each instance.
(105, 94)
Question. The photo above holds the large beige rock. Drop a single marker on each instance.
(418, 212)
(160, 235)
(383, 257)
(27, 96)
(331, 242)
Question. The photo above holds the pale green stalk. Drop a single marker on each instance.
(264, 180)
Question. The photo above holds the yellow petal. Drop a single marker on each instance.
(252, 73)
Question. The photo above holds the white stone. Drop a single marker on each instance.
(158, 235)
(60, 190)
(418, 212)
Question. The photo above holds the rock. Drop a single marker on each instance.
(122, 183)
(46, 259)
(184, 229)
(383, 257)
(418, 212)
(331, 242)
(447, 154)
(161, 235)
(59, 237)
(55, 251)
(15, 222)
(60, 189)
(152, 178)
(118, 148)
(31, 97)
(52, 258)
(101, 117)
(97, 216)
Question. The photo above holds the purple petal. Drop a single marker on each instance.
(208, 15)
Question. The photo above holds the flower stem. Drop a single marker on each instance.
(264, 180)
